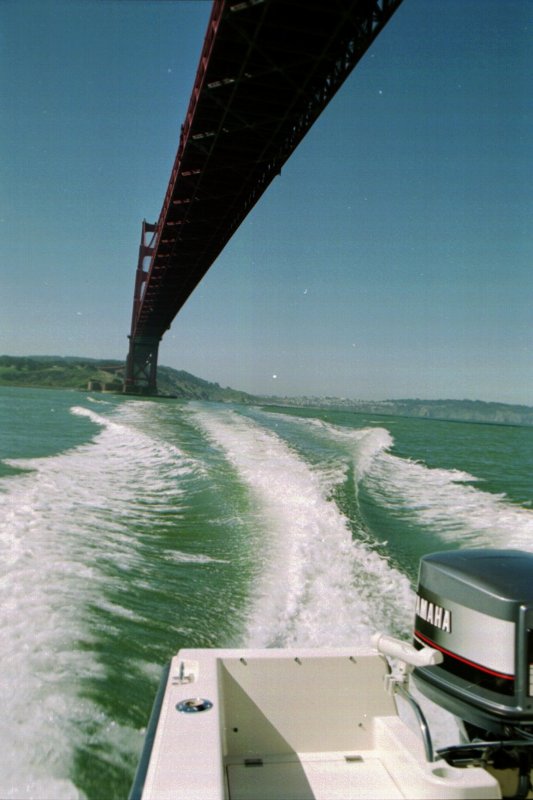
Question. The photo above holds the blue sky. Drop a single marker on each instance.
(392, 258)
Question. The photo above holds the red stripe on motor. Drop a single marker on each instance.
(429, 642)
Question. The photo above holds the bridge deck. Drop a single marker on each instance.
(267, 70)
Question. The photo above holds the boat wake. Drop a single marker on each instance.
(315, 584)
(63, 522)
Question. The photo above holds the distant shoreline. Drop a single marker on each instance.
(85, 374)
(399, 414)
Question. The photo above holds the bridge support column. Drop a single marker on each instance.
(141, 366)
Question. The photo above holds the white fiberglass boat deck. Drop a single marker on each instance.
(323, 724)
(294, 725)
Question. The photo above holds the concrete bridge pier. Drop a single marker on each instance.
(141, 366)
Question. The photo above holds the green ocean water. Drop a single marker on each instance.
(131, 528)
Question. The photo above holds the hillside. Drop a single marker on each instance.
(56, 372)
(79, 373)
(182, 384)
(451, 410)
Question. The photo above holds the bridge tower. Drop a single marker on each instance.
(141, 365)
(267, 70)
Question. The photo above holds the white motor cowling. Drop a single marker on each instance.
(476, 607)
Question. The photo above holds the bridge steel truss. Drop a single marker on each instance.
(267, 70)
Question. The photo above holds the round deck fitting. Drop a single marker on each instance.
(193, 705)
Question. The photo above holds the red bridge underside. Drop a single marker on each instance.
(267, 70)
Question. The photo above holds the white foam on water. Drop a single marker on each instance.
(191, 558)
(97, 401)
(363, 444)
(444, 501)
(59, 523)
(315, 585)
(367, 449)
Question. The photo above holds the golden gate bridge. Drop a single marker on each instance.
(267, 69)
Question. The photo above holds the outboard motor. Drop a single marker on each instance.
(476, 607)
